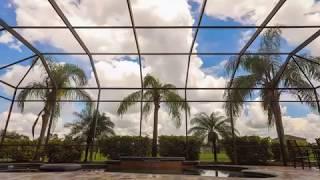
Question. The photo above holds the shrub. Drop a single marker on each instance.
(275, 148)
(59, 150)
(250, 149)
(175, 146)
(116, 146)
(17, 147)
(20, 150)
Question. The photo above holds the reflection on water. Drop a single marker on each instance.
(215, 173)
(191, 171)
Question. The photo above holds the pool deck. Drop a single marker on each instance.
(281, 172)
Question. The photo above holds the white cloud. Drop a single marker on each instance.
(7, 38)
(244, 37)
(22, 124)
(293, 12)
(120, 71)
(14, 74)
(253, 121)
(245, 11)
(213, 70)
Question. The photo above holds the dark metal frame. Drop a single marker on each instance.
(139, 53)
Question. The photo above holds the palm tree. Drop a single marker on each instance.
(83, 127)
(211, 127)
(263, 71)
(65, 75)
(155, 93)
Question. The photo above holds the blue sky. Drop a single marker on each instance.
(208, 40)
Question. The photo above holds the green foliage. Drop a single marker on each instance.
(17, 147)
(318, 142)
(62, 75)
(275, 148)
(18, 150)
(116, 146)
(165, 92)
(214, 124)
(175, 146)
(250, 149)
(269, 72)
(155, 95)
(59, 150)
(83, 126)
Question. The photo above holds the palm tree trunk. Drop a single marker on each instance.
(87, 150)
(280, 130)
(45, 120)
(155, 130)
(214, 147)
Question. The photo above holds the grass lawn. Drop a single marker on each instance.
(97, 157)
(208, 156)
(204, 156)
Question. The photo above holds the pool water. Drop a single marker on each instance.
(209, 172)
(199, 172)
(215, 173)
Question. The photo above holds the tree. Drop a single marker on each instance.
(14, 135)
(154, 95)
(84, 126)
(64, 75)
(211, 127)
(265, 71)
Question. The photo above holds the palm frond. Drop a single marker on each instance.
(147, 106)
(128, 102)
(235, 97)
(71, 71)
(201, 120)
(83, 127)
(151, 82)
(294, 78)
(33, 90)
(175, 104)
(204, 125)
(74, 94)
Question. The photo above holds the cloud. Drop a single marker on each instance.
(245, 11)
(7, 38)
(22, 124)
(253, 121)
(123, 71)
(214, 70)
(254, 12)
(244, 37)
(14, 74)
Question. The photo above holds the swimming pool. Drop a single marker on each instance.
(207, 170)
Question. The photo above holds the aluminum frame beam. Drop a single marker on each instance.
(139, 60)
(294, 52)
(30, 46)
(254, 37)
(171, 27)
(84, 47)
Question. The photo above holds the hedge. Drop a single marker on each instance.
(116, 146)
(19, 150)
(175, 146)
(59, 151)
(250, 149)
(276, 152)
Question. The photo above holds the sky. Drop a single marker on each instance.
(123, 71)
